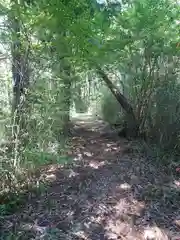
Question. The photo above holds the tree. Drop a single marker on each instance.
(20, 49)
(136, 42)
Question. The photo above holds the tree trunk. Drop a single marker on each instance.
(66, 104)
(61, 114)
(132, 128)
(16, 67)
(66, 70)
(20, 74)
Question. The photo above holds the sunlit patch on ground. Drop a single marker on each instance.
(107, 193)
(50, 177)
(177, 183)
(155, 233)
(95, 164)
(124, 186)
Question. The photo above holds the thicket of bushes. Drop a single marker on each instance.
(50, 63)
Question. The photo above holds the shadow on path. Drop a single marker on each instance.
(109, 192)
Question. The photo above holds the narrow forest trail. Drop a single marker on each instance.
(110, 192)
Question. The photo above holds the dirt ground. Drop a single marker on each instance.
(111, 191)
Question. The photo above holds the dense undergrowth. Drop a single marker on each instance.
(55, 72)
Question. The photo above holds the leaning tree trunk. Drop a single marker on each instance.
(132, 128)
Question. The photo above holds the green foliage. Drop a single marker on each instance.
(61, 40)
(35, 158)
(110, 109)
(166, 115)
(11, 203)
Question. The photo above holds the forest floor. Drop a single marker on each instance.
(111, 191)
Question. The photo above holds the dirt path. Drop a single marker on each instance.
(111, 192)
